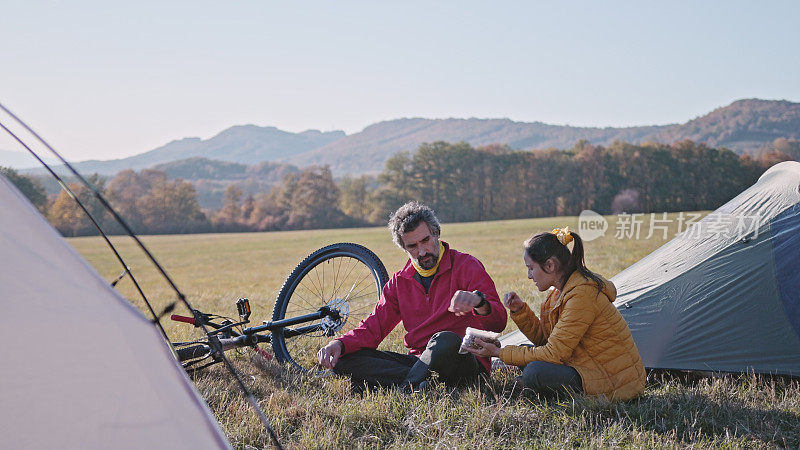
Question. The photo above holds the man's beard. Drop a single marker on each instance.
(428, 261)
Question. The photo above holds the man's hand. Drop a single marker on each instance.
(513, 302)
(329, 355)
(462, 302)
(487, 348)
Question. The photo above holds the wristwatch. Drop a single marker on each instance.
(483, 301)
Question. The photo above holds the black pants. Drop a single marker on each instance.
(374, 368)
(551, 379)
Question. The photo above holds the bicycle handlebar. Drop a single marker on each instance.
(178, 318)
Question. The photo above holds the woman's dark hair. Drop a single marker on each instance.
(543, 246)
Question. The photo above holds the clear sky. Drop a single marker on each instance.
(105, 80)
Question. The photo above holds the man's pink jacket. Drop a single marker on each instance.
(404, 299)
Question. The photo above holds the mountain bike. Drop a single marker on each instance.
(327, 294)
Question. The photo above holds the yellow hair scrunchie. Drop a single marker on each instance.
(564, 235)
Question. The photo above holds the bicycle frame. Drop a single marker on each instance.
(327, 294)
(249, 337)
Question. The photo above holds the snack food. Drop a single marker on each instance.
(472, 333)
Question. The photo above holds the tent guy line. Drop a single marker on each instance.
(80, 204)
(65, 186)
(181, 297)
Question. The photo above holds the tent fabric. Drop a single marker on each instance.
(81, 367)
(786, 228)
(725, 294)
(717, 297)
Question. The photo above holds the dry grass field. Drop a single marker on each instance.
(734, 411)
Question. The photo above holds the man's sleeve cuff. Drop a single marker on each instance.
(344, 347)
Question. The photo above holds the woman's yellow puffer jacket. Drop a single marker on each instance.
(581, 328)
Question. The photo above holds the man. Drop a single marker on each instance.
(437, 295)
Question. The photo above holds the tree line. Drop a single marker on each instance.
(468, 184)
(461, 182)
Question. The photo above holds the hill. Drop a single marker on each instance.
(211, 177)
(244, 144)
(745, 126)
(21, 160)
(369, 149)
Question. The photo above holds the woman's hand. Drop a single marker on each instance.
(513, 302)
(487, 348)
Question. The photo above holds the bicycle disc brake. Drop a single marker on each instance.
(329, 325)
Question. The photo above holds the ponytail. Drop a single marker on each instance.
(544, 246)
(578, 263)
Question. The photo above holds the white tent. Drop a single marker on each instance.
(724, 295)
(80, 367)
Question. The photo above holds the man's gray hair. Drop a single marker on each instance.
(408, 217)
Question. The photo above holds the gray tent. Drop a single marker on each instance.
(725, 294)
(81, 368)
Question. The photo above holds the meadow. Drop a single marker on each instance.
(307, 411)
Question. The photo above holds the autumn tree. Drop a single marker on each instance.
(462, 183)
(779, 150)
(69, 218)
(396, 187)
(356, 199)
(230, 217)
(309, 199)
(248, 206)
(125, 192)
(315, 200)
(29, 187)
(172, 207)
(231, 208)
(150, 203)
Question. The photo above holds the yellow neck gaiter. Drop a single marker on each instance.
(432, 271)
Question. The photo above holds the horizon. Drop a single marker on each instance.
(139, 76)
(35, 163)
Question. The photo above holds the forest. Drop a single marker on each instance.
(462, 183)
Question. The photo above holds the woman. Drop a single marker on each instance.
(582, 343)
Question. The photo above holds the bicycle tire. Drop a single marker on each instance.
(308, 288)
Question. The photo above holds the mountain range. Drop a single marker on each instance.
(744, 126)
(22, 159)
(243, 144)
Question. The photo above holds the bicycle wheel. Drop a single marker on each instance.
(347, 278)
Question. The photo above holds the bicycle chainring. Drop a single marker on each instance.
(330, 325)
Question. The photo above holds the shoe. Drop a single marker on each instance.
(410, 389)
(517, 386)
